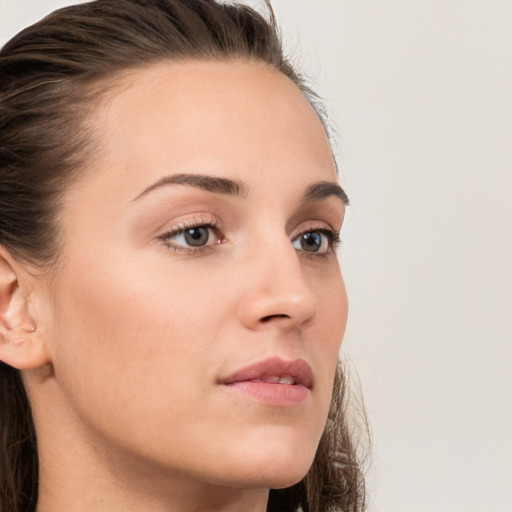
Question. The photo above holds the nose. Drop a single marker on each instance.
(276, 292)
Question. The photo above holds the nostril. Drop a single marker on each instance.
(270, 317)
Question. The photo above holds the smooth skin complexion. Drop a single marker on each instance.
(198, 243)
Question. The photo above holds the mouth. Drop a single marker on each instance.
(273, 381)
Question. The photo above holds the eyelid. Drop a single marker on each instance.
(198, 220)
(313, 225)
(321, 227)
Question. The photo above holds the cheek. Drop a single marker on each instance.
(136, 348)
(332, 313)
(136, 332)
(125, 314)
(332, 317)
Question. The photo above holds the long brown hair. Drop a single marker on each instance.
(50, 74)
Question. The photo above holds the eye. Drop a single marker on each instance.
(192, 238)
(318, 241)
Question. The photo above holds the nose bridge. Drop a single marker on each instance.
(277, 290)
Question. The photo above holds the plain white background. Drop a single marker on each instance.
(420, 94)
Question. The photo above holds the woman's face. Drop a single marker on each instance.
(198, 309)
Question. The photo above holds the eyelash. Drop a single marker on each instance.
(185, 226)
(333, 238)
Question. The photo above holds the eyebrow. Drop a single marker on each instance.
(325, 189)
(315, 191)
(210, 183)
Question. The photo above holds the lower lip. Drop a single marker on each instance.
(280, 395)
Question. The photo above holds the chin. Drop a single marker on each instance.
(286, 478)
(268, 478)
(273, 467)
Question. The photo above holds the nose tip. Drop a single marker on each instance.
(282, 297)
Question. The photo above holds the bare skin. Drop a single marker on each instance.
(168, 284)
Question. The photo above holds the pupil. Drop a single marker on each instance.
(196, 236)
(311, 241)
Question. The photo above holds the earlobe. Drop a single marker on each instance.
(21, 344)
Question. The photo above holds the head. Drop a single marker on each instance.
(168, 218)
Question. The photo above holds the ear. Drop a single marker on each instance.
(21, 344)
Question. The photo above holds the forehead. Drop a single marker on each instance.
(238, 118)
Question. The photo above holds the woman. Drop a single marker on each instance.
(171, 301)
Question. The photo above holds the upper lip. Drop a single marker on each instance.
(298, 369)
